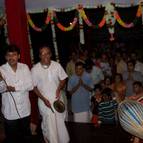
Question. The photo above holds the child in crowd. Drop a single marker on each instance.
(95, 100)
(107, 108)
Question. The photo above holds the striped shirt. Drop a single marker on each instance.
(106, 111)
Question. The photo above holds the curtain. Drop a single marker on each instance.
(17, 27)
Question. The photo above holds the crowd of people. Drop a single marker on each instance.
(95, 85)
(112, 78)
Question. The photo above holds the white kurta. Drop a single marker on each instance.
(22, 81)
(47, 81)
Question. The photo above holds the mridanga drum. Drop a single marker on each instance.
(131, 117)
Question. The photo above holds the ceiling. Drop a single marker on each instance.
(39, 5)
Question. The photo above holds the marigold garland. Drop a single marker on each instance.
(60, 26)
(86, 20)
(125, 25)
(63, 28)
(31, 23)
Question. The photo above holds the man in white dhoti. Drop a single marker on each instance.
(49, 78)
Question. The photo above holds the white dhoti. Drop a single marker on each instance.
(53, 125)
(82, 117)
(47, 82)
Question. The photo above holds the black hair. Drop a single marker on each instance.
(107, 91)
(44, 46)
(12, 48)
(137, 83)
(97, 86)
(88, 64)
(79, 64)
(132, 62)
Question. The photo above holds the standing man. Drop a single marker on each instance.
(80, 86)
(17, 82)
(49, 79)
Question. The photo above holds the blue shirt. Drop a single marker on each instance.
(81, 97)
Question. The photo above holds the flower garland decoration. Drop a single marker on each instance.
(30, 45)
(86, 20)
(31, 23)
(110, 20)
(63, 28)
(126, 25)
(110, 17)
(81, 30)
(83, 15)
(54, 36)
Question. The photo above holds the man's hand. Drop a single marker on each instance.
(47, 103)
(59, 88)
(58, 93)
(80, 82)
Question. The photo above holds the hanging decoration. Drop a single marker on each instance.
(54, 37)
(83, 15)
(128, 25)
(61, 27)
(31, 23)
(110, 17)
(86, 20)
(110, 20)
(81, 30)
(30, 45)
